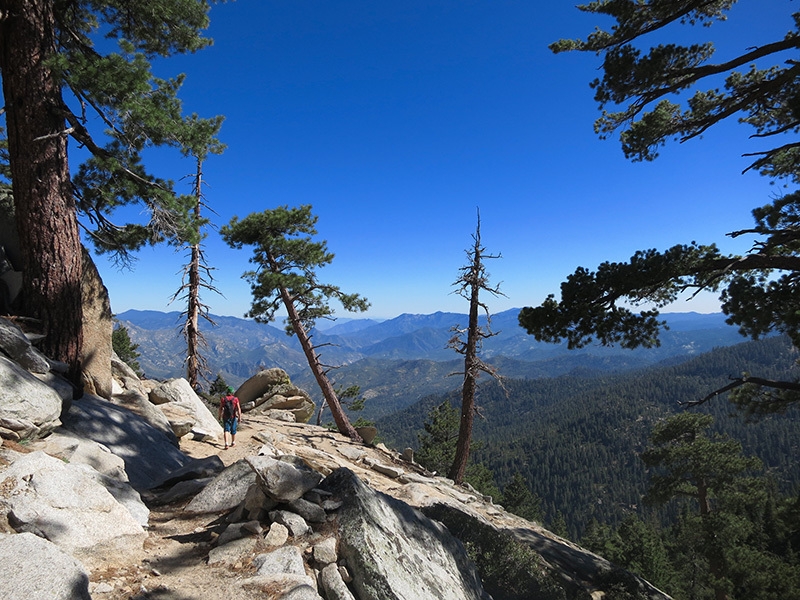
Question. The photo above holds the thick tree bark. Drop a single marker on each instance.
(342, 422)
(44, 204)
(714, 561)
(471, 371)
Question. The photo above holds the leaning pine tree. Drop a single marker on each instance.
(288, 260)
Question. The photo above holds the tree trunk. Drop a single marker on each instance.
(715, 563)
(44, 205)
(193, 306)
(459, 467)
(339, 416)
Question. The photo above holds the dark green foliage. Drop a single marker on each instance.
(509, 570)
(351, 398)
(287, 258)
(726, 541)
(481, 477)
(437, 447)
(125, 348)
(558, 525)
(641, 81)
(643, 550)
(620, 585)
(198, 138)
(757, 290)
(518, 499)
(138, 109)
(219, 386)
(512, 571)
(729, 503)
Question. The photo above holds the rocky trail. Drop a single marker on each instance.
(173, 562)
(128, 493)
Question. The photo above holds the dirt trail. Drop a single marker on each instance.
(172, 564)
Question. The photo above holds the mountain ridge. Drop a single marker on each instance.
(238, 348)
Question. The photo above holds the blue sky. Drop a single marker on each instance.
(397, 121)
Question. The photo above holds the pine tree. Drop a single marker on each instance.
(48, 50)
(657, 94)
(518, 499)
(437, 445)
(198, 139)
(288, 260)
(712, 474)
(125, 348)
(218, 387)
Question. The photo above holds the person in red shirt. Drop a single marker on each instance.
(229, 413)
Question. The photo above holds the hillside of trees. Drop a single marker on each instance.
(577, 440)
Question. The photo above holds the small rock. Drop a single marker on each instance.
(253, 527)
(325, 552)
(311, 512)
(296, 524)
(334, 585)
(277, 536)
(102, 588)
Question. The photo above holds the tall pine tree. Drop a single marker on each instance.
(51, 50)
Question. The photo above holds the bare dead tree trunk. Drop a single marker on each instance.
(192, 328)
(44, 204)
(473, 279)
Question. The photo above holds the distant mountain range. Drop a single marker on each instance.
(399, 360)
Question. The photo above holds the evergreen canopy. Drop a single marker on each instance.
(138, 110)
(758, 290)
(66, 65)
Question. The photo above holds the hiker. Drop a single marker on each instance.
(229, 413)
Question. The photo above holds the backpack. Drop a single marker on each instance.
(227, 407)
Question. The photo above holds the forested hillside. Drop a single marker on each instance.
(577, 440)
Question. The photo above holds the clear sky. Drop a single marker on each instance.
(398, 120)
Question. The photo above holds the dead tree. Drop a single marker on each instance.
(471, 282)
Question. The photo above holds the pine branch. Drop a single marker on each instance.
(737, 382)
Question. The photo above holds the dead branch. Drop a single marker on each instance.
(739, 382)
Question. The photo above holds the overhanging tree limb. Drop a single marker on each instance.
(758, 291)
